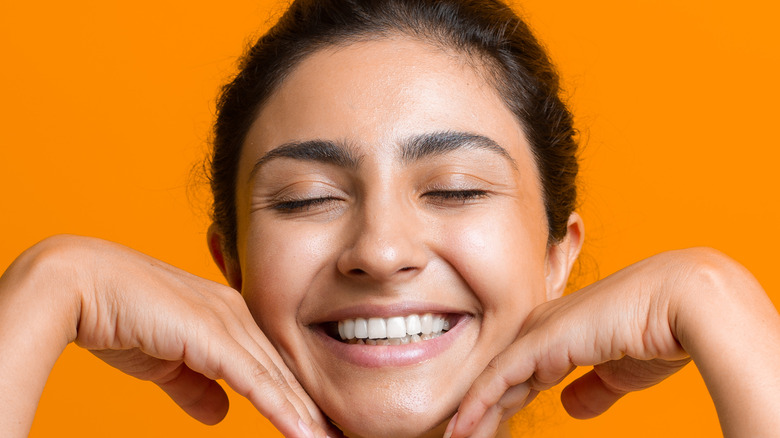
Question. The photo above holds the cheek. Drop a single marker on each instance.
(502, 259)
(279, 266)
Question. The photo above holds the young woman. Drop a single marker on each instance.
(394, 189)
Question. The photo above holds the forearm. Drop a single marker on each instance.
(732, 331)
(38, 318)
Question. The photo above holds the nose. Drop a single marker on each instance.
(386, 244)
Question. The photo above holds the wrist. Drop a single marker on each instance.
(711, 296)
(39, 312)
(725, 321)
(54, 276)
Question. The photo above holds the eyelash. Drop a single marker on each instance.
(462, 196)
(301, 205)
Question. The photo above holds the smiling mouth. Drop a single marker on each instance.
(396, 330)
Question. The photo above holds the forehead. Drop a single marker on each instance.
(373, 93)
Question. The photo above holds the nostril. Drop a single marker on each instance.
(357, 272)
(408, 268)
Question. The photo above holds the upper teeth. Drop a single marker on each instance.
(395, 327)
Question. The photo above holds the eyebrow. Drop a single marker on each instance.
(413, 149)
(444, 142)
(322, 151)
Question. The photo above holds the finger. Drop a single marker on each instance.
(257, 380)
(199, 396)
(259, 342)
(249, 335)
(589, 396)
(234, 316)
(514, 399)
(484, 393)
(511, 368)
(515, 404)
(334, 432)
(230, 317)
(267, 355)
(519, 363)
(488, 424)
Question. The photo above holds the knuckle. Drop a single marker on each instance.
(211, 321)
(227, 293)
(268, 376)
(220, 309)
(225, 300)
(477, 399)
(494, 370)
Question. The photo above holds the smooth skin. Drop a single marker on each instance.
(162, 324)
(415, 216)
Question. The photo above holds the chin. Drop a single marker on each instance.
(398, 409)
(410, 401)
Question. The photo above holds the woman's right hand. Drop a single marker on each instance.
(152, 321)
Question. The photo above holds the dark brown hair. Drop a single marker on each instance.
(487, 31)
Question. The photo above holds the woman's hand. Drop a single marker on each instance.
(637, 327)
(150, 320)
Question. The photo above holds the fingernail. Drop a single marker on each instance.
(305, 431)
(451, 426)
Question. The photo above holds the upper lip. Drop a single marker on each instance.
(368, 310)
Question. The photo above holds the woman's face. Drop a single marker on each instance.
(382, 182)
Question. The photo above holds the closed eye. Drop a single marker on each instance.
(299, 205)
(439, 196)
(460, 196)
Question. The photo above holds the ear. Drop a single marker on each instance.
(562, 255)
(227, 263)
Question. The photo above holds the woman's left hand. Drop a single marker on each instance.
(637, 327)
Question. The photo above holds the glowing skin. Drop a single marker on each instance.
(383, 238)
(385, 181)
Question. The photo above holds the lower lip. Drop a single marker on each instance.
(376, 356)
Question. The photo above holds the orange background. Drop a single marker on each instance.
(106, 107)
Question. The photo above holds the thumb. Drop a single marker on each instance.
(594, 393)
(200, 397)
(589, 396)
